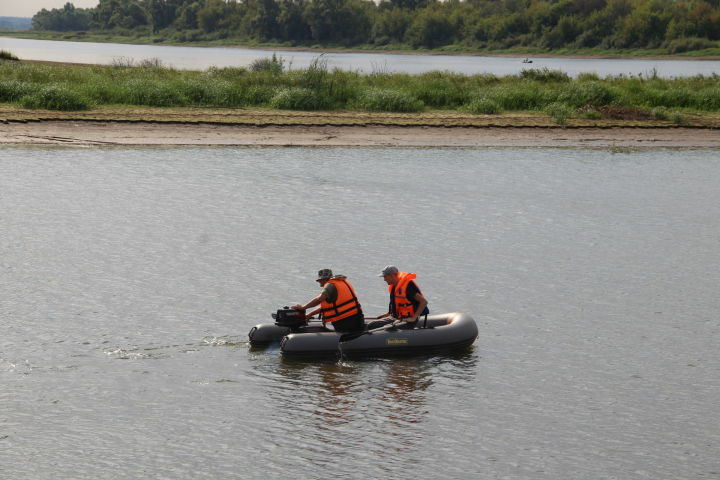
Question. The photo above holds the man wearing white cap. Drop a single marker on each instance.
(406, 300)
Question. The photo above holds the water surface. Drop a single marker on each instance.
(200, 58)
(130, 277)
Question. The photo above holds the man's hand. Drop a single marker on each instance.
(298, 307)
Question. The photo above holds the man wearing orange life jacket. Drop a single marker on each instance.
(338, 303)
(406, 300)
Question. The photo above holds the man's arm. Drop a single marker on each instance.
(315, 301)
(421, 306)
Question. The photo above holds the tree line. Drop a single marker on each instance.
(676, 25)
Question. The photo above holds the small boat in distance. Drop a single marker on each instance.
(527, 60)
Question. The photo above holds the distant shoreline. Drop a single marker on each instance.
(321, 50)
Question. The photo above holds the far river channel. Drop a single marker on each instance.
(129, 278)
(200, 58)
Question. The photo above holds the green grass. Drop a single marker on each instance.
(54, 97)
(388, 100)
(127, 83)
(483, 105)
(559, 112)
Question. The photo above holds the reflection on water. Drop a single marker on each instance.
(384, 404)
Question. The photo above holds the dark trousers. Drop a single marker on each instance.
(356, 323)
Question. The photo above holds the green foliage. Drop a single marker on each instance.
(197, 91)
(660, 113)
(681, 45)
(430, 29)
(255, 95)
(514, 96)
(387, 100)
(578, 94)
(54, 97)
(440, 90)
(559, 112)
(592, 115)
(544, 75)
(317, 88)
(315, 77)
(299, 99)
(675, 25)
(708, 99)
(677, 118)
(483, 105)
(274, 65)
(152, 93)
(63, 19)
(5, 55)
(12, 90)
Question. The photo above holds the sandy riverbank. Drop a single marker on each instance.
(169, 134)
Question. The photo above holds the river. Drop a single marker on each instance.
(200, 58)
(129, 278)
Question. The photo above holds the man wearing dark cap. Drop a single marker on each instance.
(406, 300)
(338, 303)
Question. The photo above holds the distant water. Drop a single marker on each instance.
(202, 58)
(130, 277)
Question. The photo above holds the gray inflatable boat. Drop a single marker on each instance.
(435, 334)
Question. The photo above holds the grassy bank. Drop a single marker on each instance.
(268, 85)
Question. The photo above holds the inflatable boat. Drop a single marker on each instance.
(299, 338)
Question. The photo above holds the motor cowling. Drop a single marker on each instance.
(290, 317)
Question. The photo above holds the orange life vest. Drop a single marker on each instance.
(404, 306)
(346, 304)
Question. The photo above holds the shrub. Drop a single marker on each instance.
(258, 95)
(577, 94)
(299, 99)
(677, 118)
(199, 92)
(104, 91)
(660, 113)
(592, 115)
(316, 75)
(483, 105)
(688, 44)
(12, 90)
(386, 100)
(153, 93)
(274, 65)
(588, 77)
(516, 97)
(559, 112)
(227, 73)
(545, 75)
(122, 62)
(5, 55)
(151, 63)
(439, 93)
(672, 97)
(54, 97)
(708, 99)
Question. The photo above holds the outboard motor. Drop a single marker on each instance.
(292, 318)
